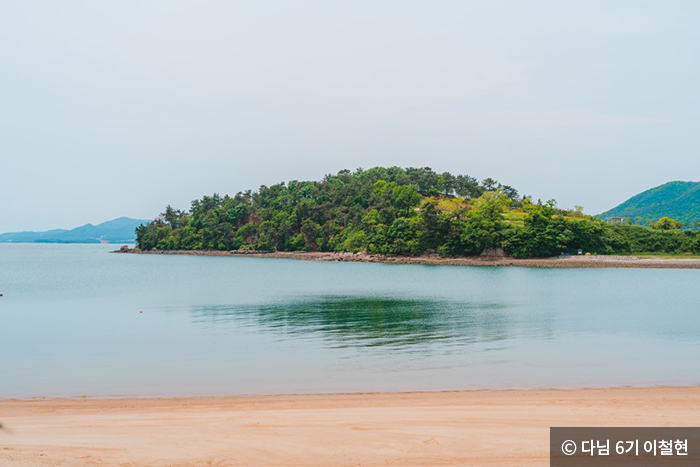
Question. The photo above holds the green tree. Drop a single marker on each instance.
(666, 223)
(405, 198)
(484, 227)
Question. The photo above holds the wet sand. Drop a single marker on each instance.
(559, 262)
(443, 428)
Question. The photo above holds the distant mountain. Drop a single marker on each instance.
(120, 230)
(678, 200)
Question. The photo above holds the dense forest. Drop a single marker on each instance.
(401, 211)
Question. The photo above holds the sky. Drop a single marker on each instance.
(112, 109)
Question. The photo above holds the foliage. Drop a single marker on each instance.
(399, 212)
(666, 223)
(547, 234)
(677, 200)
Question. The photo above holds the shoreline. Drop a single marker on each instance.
(436, 260)
(494, 427)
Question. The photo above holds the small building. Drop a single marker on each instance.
(615, 220)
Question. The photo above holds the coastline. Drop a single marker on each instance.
(491, 427)
(436, 260)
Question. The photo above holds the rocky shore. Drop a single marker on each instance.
(558, 262)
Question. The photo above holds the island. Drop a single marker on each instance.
(402, 213)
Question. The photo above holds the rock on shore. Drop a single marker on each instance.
(491, 261)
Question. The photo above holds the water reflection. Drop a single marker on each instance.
(371, 321)
(71, 325)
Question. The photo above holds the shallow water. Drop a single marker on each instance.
(71, 324)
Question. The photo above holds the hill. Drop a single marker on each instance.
(678, 200)
(397, 211)
(120, 230)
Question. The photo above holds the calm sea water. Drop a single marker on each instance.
(71, 325)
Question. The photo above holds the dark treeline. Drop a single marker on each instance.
(398, 211)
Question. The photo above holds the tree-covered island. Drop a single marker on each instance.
(397, 211)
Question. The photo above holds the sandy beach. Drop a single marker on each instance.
(509, 427)
(559, 262)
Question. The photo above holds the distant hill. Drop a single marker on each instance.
(678, 200)
(120, 230)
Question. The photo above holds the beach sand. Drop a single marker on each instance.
(441, 428)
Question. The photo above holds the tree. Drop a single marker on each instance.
(424, 179)
(236, 214)
(310, 231)
(174, 218)
(485, 226)
(405, 198)
(448, 183)
(510, 192)
(666, 223)
(432, 225)
(467, 187)
(489, 184)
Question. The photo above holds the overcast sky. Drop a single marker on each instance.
(118, 108)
